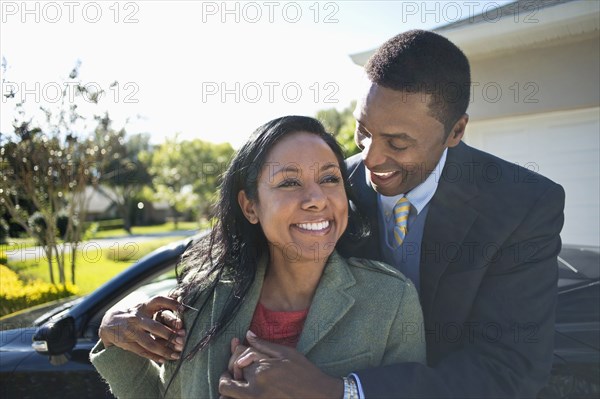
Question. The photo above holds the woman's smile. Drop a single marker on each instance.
(316, 228)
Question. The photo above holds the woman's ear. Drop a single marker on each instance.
(247, 206)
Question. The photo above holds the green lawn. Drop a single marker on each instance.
(94, 266)
(138, 230)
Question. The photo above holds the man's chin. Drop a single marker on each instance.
(387, 191)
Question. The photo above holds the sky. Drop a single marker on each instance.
(209, 70)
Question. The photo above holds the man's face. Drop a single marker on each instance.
(401, 143)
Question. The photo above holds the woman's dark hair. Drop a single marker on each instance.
(235, 246)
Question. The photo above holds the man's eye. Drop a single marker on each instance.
(360, 137)
(396, 148)
(362, 134)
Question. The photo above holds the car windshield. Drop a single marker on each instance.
(35, 315)
(579, 262)
(161, 285)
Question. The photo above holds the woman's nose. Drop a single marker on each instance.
(314, 198)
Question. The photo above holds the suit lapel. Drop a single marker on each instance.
(324, 312)
(366, 196)
(366, 205)
(449, 219)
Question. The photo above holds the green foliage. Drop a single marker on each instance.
(346, 137)
(120, 167)
(342, 126)
(110, 224)
(62, 220)
(3, 231)
(90, 231)
(186, 174)
(152, 229)
(16, 295)
(37, 224)
(332, 119)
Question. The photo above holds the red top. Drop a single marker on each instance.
(279, 327)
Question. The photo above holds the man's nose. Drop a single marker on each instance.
(372, 154)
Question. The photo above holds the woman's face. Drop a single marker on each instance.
(302, 206)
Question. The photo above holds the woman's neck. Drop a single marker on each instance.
(290, 285)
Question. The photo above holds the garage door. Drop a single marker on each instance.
(563, 146)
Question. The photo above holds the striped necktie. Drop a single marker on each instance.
(401, 210)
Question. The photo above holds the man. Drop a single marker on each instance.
(477, 235)
(480, 241)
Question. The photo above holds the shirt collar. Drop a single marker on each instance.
(419, 196)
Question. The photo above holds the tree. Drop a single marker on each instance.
(185, 174)
(342, 125)
(119, 166)
(51, 171)
(49, 168)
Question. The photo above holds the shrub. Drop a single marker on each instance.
(15, 229)
(16, 295)
(3, 231)
(62, 221)
(39, 226)
(110, 224)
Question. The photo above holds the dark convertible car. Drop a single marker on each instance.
(44, 350)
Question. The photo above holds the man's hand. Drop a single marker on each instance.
(135, 329)
(283, 373)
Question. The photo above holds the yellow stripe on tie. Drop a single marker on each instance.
(401, 210)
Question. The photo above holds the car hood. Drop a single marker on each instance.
(18, 339)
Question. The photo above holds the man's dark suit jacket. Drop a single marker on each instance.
(488, 273)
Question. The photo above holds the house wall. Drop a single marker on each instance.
(536, 80)
(541, 110)
(563, 146)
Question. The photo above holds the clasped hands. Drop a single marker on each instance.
(154, 330)
(267, 370)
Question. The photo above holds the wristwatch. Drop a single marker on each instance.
(350, 388)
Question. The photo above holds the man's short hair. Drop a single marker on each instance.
(419, 61)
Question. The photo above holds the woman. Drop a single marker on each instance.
(270, 265)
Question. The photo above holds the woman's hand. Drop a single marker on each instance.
(279, 372)
(242, 356)
(137, 331)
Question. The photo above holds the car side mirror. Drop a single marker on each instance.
(55, 337)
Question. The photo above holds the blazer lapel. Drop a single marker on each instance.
(449, 219)
(239, 325)
(325, 312)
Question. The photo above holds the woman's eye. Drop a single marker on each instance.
(289, 183)
(331, 179)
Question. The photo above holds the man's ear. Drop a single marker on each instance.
(458, 131)
(247, 206)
